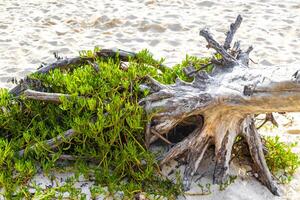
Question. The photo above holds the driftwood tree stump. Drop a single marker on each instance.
(224, 102)
(219, 106)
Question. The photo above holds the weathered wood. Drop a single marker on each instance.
(227, 58)
(103, 53)
(63, 63)
(256, 151)
(233, 28)
(44, 96)
(194, 158)
(223, 157)
(51, 143)
(226, 98)
(180, 148)
(269, 118)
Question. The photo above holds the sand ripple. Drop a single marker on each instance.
(30, 31)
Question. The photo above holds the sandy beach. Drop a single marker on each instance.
(31, 31)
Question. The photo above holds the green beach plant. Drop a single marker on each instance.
(102, 108)
(281, 159)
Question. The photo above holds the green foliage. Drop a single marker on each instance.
(205, 190)
(281, 160)
(230, 180)
(104, 109)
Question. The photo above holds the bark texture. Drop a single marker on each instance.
(227, 99)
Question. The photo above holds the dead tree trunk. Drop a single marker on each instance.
(226, 99)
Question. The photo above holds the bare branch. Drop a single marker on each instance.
(161, 137)
(104, 53)
(45, 96)
(52, 143)
(233, 28)
(228, 59)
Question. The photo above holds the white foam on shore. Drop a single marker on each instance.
(30, 31)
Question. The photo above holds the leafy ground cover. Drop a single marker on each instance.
(104, 111)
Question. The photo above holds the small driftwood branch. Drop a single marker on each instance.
(52, 143)
(154, 84)
(116, 53)
(44, 96)
(69, 62)
(226, 99)
(104, 53)
(269, 118)
(256, 150)
(62, 63)
(161, 137)
(227, 58)
(94, 65)
(233, 28)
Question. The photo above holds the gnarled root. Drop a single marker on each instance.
(222, 134)
(226, 98)
(223, 155)
(194, 158)
(256, 151)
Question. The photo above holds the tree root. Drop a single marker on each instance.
(259, 162)
(223, 157)
(227, 107)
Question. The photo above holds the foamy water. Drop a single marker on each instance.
(31, 30)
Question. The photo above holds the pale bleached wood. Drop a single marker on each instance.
(225, 98)
(45, 96)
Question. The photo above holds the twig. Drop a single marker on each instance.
(160, 136)
(197, 70)
(147, 134)
(94, 65)
(52, 143)
(253, 61)
(269, 118)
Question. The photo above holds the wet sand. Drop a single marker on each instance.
(31, 31)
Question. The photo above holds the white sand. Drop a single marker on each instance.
(30, 31)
